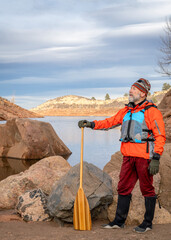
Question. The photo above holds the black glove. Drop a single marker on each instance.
(85, 123)
(154, 164)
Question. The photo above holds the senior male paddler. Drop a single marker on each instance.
(142, 141)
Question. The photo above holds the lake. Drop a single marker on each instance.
(98, 145)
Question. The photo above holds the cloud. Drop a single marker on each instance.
(138, 29)
(77, 46)
(63, 46)
(106, 77)
(60, 35)
(119, 13)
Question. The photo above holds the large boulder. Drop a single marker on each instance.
(42, 175)
(137, 208)
(115, 163)
(165, 162)
(30, 139)
(165, 108)
(165, 172)
(97, 186)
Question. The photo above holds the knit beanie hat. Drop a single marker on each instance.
(143, 85)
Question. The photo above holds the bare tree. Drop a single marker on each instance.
(165, 61)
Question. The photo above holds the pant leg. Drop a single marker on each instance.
(128, 176)
(145, 179)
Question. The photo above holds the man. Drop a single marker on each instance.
(142, 141)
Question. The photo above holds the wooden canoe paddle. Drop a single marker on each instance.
(81, 217)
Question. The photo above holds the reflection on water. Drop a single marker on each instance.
(98, 145)
(10, 166)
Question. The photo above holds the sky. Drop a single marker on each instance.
(53, 48)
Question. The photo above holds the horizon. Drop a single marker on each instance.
(111, 99)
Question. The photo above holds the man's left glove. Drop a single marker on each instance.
(85, 123)
(154, 164)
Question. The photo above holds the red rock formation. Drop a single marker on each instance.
(30, 139)
(10, 110)
(165, 108)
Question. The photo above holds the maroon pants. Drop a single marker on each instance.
(134, 168)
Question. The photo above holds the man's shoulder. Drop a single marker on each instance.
(149, 104)
(152, 110)
(122, 111)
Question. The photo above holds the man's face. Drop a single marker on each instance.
(134, 94)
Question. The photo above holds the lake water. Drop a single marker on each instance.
(98, 145)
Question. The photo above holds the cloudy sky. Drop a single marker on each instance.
(52, 48)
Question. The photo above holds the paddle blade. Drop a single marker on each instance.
(82, 217)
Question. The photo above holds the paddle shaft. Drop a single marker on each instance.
(81, 216)
(81, 159)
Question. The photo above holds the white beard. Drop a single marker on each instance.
(134, 98)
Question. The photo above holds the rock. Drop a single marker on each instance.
(137, 208)
(9, 215)
(165, 108)
(166, 101)
(165, 161)
(32, 206)
(30, 139)
(165, 172)
(9, 110)
(42, 175)
(97, 186)
(115, 163)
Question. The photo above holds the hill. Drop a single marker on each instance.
(10, 110)
(72, 105)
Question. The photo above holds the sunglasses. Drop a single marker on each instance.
(140, 81)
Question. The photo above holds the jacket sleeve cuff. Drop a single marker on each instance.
(92, 124)
(156, 156)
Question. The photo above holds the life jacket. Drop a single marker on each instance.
(134, 128)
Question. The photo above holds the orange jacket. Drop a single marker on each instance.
(154, 122)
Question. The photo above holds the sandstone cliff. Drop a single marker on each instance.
(10, 110)
(71, 105)
(165, 108)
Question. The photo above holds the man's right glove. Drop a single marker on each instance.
(154, 164)
(85, 123)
